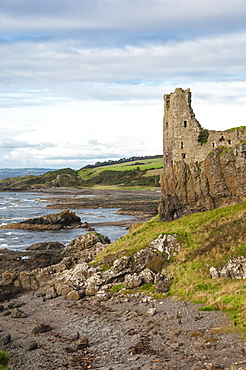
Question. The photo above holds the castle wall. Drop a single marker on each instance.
(198, 177)
(182, 131)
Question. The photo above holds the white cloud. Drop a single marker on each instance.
(84, 80)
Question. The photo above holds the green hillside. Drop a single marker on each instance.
(125, 173)
(206, 239)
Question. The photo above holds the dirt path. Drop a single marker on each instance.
(121, 335)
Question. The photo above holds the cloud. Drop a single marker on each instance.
(83, 80)
(126, 16)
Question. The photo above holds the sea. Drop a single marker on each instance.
(18, 206)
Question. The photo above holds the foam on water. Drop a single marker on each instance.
(15, 207)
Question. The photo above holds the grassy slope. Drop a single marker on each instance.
(156, 163)
(207, 239)
(141, 173)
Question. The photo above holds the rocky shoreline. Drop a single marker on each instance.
(131, 332)
(130, 202)
(69, 315)
(60, 308)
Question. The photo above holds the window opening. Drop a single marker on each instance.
(185, 123)
(229, 142)
(182, 145)
(183, 155)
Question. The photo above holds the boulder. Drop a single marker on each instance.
(167, 244)
(132, 281)
(162, 283)
(147, 276)
(86, 246)
(18, 314)
(5, 338)
(143, 257)
(82, 343)
(47, 246)
(234, 269)
(41, 328)
(62, 220)
(93, 284)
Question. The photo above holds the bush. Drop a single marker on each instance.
(4, 361)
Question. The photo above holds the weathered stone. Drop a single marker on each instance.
(7, 278)
(147, 276)
(82, 343)
(41, 328)
(47, 246)
(151, 311)
(234, 269)
(18, 314)
(93, 284)
(143, 257)
(51, 293)
(83, 242)
(120, 265)
(203, 169)
(103, 295)
(32, 346)
(162, 284)
(63, 289)
(73, 295)
(166, 244)
(132, 281)
(5, 338)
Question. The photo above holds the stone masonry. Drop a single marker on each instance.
(182, 131)
(203, 169)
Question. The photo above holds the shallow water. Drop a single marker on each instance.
(17, 206)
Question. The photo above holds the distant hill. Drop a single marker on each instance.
(20, 172)
(134, 172)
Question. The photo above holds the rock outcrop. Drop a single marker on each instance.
(203, 169)
(235, 268)
(218, 181)
(62, 220)
(75, 276)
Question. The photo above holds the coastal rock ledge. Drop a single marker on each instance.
(62, 220)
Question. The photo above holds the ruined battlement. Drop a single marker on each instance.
(184, 137)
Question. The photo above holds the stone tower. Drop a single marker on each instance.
(203, 169)
(184, 137)
(181, 129)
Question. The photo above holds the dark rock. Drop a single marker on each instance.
(62, 220)
(32, 346)
(41, 328)
(1, 308)
(5, 338)
(6, 313)
(162, 284)
(47, 246)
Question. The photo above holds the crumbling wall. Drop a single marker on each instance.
(182, 131)
(199, 176)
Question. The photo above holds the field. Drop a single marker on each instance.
(143, 165)
(141, 173)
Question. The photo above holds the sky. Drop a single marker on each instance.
(83, 81)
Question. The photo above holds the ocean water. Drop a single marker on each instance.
(18, 206)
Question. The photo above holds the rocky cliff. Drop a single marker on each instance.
(217, 181)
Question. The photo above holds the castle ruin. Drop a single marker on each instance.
(203, 169)
(184, 137)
